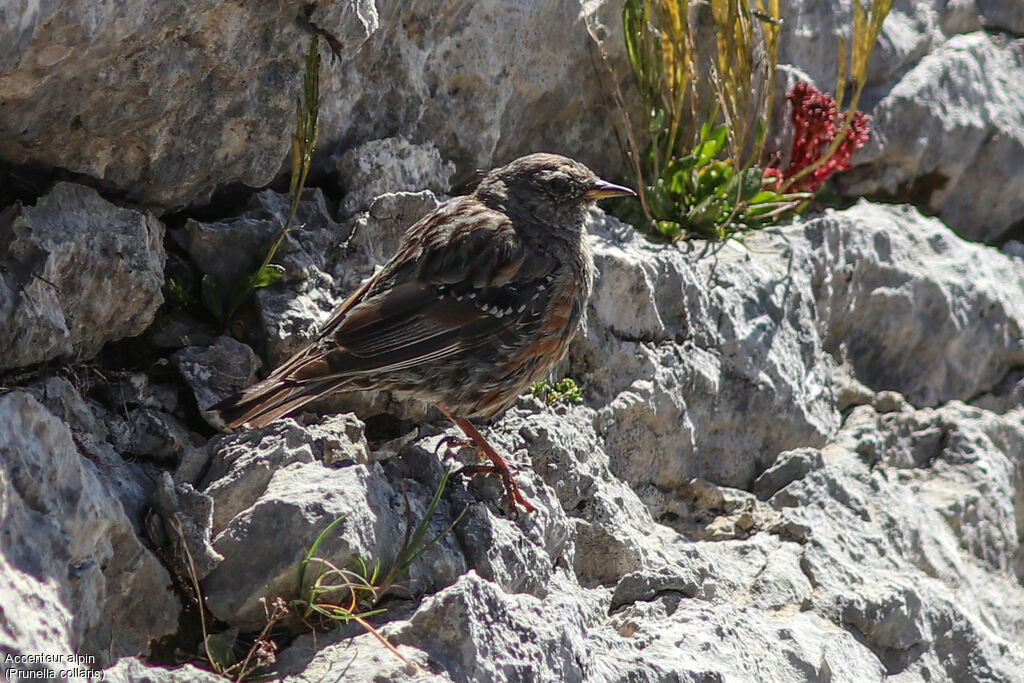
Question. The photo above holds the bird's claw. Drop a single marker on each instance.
(453, 442)
(515, 498)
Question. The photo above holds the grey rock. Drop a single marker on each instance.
(911, 546)
(203, 92)
(1006, 395)
(728, 326)
(788, 467)
(75, 272)
(276, 479)
(485, 83)
(610, 530)
(217, 371)
(343, 438)
(134, 670)
(390, 165)
(912, 307)
(156, 435)
(138, 390)
(811, 31)
(672, 638)
(502, 553)
(255, 564)
(310, 660)
(968, 94)
(36, 618)
(187, 525)
(233, 248)
(474, 631)
(966, 16)
(66, 536)
(344, 24)
(1001, 15)
(91, 424)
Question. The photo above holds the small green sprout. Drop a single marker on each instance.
(564, 390)
(177, 294)
(225, 305)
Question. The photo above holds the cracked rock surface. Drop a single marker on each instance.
(748, 486)
(796, 457)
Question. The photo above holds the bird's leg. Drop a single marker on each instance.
(498, 465)
(453, 441)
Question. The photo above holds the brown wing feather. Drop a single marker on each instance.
(432, 300)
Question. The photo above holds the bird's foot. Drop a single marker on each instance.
(498, 465)
(452, 442)
(515, 497)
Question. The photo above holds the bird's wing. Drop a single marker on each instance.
(461, 279)
(457, 283)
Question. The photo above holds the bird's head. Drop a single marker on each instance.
(546, 185)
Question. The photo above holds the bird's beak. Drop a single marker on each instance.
(602, 189)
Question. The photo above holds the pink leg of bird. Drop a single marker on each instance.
(497, 466)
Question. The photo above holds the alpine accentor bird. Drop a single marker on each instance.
(480, 300)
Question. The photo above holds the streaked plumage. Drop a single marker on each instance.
(479, 301)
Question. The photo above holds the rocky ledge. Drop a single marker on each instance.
(795, 457)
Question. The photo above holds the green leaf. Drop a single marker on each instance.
(752, 179)
(764, 196)
(676, 183)
(670, 229)
(634, 28)
(221, 649)
(713, 177)
(704, 215)
(267, 275)
(176, 294)
(658, 201)
(678, 177)
(212, 298)
(708, 149)
(705, 130)
(657, 120)
(762, 210)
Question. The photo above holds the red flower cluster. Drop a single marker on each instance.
(816, 121)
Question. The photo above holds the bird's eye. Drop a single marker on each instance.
(559, 184)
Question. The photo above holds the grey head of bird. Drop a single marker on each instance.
(549, 188)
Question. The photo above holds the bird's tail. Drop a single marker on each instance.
(265, 401)
(301, 379)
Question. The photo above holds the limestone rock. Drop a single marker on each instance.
(968, 94)
(390, 165)
(217, 82)
(75, 272)
(134, 670)
(276, 479)
(167, 101)
(215, 372)
(728, 325)
(912, 307)
(68, 542)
